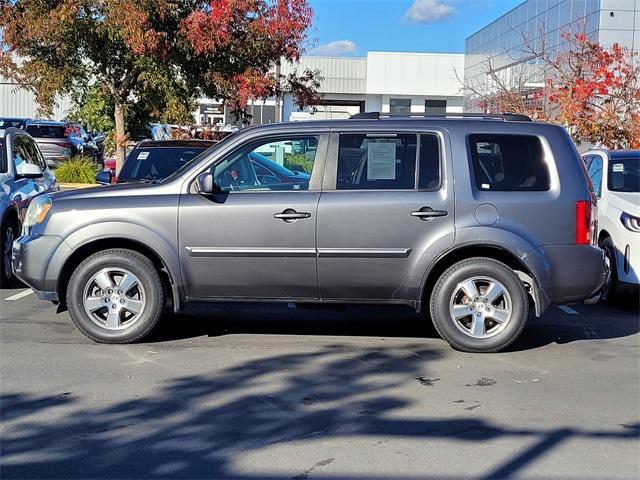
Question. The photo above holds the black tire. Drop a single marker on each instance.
(611, 291)
(448, 285)
(8, 232)
(149, 278)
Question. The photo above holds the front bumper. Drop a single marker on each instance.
(32, 263)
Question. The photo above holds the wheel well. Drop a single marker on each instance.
(105, 244)
(602, 235)
(10, 214)
(496, 253)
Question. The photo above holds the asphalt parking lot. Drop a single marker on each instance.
(284, 391)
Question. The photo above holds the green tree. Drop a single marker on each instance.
(160, 53)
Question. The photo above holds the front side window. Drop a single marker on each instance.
(22, 152)
(595, 174)
(624, 175)
(373, 162)
(508, 163)
(277, 164)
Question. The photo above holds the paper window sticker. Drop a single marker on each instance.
(381, 161)
(486, 186)
(143, 155)
(618, 167)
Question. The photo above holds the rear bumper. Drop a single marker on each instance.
(31, 263)
(569, 273)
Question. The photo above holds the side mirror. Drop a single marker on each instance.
(105, 177)
(28, 170)
(206, 185)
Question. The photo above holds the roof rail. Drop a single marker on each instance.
(505, 117)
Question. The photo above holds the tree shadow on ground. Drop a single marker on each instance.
(194, 426)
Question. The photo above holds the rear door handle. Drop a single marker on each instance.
(427, 213)
(290, 215)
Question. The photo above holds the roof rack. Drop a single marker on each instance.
(505, 117)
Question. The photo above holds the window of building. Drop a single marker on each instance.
(400, 105)
(508, 163)
(374, 162)
(435, 107)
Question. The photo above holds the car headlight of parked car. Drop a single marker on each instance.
(630, 222)
(36, 213)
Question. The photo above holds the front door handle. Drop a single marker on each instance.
(290, 215)
(427, 213)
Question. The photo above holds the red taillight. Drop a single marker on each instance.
(583, 222)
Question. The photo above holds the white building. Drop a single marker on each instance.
(384, 82)
(387, 82)
(541, 22)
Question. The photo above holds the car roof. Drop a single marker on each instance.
(52, 123)
(176, 143)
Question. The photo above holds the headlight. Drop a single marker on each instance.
(36, 212)
(630, 222)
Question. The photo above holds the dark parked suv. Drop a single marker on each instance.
(474, 220)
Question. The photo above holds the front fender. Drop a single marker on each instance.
(103, 231)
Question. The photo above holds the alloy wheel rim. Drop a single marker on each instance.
(480, 307)
(114, 298)
(8, 244)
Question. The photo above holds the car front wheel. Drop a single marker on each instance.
(479, 305)
(115, 296)
(8, 234)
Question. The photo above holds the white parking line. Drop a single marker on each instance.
(568, 310)
(20, 295)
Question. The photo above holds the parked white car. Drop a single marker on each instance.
(615, 175)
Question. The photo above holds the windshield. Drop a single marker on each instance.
(156, 163)
(624, 175)
(183, 169)
(46, 131)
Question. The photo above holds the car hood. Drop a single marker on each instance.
(117, 190)
(626, 201)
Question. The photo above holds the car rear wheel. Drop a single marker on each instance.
(479, 305)
(611, 289)
(115, 296)
(9, 233)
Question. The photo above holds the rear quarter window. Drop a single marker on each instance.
(508, 163)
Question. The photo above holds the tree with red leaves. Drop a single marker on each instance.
(156, 52)
(593, 91)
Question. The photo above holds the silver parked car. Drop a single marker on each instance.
(472, 220)
(52, 139)
(23, 175)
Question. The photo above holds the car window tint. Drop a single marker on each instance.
(429, 166)
(376, 161)
(508, 163)
(595, 173)
(265, 165)
(624, 175)
(46, 131)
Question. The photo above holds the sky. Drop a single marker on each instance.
(355, 27)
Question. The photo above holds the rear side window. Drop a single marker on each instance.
(377, 161)
(46, 131)
(508, 163)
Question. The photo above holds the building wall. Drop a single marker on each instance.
(17, 102)
(541, 22)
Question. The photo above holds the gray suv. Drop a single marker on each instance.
(474, 220)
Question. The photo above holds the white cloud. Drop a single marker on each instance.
(429, 11)
(334, 49)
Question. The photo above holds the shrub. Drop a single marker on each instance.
(77, 169)
(298, 162)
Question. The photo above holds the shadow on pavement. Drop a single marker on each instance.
(213, 320)
(199, 426)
